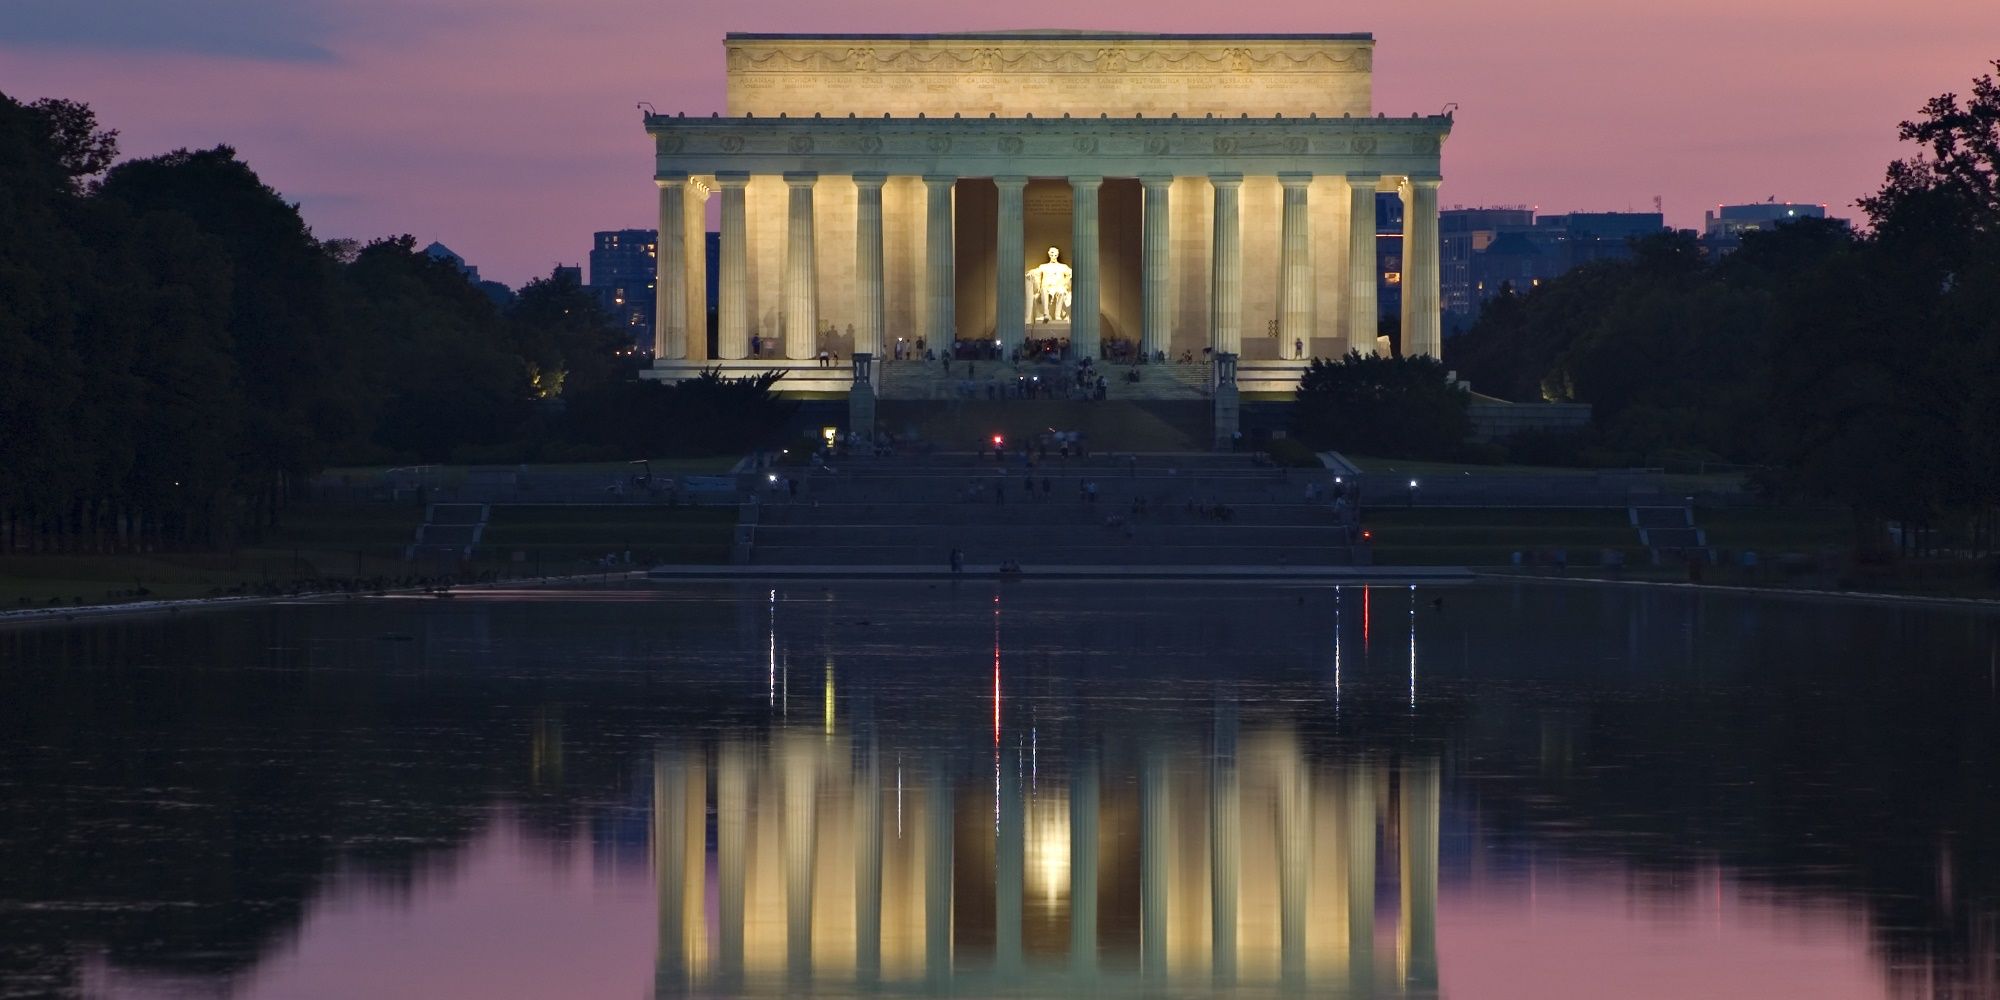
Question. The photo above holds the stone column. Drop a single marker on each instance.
(732, 307)
(1295, 268)
(1153, 863)
(1421, 314)
(670, 829)
(1225, 298)
(801, 825)
(1155, 267)
(670, 311)
(1225, 859)
(1358, 808)
(1083, 805)
(1009, 867)
(732, 837)
(1418, 825)
(941, 827)
(1083, 332)
(1010, 292)
(695, 289)
(868, 262)
(1361, 266)
(1295, 838)
(941, 290)
(801, 297)
(868, 869)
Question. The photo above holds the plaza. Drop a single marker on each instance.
(1082, 195)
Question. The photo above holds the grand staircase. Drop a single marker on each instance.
(1002, 379)
(1193, 509)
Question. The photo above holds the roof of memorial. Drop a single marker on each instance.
(1059, 34)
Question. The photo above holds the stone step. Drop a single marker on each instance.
(1045, 536)
(977, 551)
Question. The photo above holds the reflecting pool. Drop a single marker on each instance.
(1031, 788)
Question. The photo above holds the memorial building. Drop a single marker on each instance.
(1119, 197)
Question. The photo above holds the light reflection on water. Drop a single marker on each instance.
(1029, 789)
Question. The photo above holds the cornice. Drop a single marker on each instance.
(1053, 54)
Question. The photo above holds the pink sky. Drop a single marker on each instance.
(507, 918)
(507, 129)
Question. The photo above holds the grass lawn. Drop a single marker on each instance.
(1489, 536)
(449, 474)
(368, 540)
(1415, 467)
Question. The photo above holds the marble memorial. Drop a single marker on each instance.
(1204, 193)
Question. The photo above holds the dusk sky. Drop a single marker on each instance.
(507, 128)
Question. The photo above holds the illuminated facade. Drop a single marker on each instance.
(1210, 192)
(836, 864)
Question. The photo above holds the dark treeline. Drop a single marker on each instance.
(179, 354)
(1857, 367)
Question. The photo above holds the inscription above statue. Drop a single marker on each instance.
(1048, 290)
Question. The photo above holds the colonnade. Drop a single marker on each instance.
(681, 210)
(834, 861)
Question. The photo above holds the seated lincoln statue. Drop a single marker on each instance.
(1048, 291)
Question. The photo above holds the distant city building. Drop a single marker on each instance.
(494, 290)
(1464, 235)
(438, 251)
(1485, 249)
(568, 272)
(1723, 229)
(623, 263)
(1587, 236)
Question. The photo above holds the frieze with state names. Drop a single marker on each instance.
(1120, 59)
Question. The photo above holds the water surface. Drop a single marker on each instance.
(1034, 788)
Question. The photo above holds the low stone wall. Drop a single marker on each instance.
(1492, 420)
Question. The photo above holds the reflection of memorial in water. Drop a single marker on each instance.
(840, 864)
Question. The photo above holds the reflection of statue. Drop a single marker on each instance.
(1048, 291)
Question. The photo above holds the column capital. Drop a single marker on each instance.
(1294, 180)
(732, 179)
(873, 179)
(801, 178)
(1363, 176)
(1156, 180)
(669, 178)
(1091, 181)
(1430, 181)
(1226, 180)
(1003, 183)
(940, 180)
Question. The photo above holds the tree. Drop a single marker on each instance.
(433, 360)
(81, 148)
(1392, 407)
(282, 318)
(1954, 180)
(570, 342)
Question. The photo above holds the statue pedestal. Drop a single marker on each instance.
(1043, 331)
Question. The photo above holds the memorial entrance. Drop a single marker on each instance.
(1203, 195)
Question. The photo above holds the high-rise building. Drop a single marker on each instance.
(1483, 250)
(1723, 229)
(623, 263)
(1464, 234)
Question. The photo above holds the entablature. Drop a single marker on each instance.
(1113, 147)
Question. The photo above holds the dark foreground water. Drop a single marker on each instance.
(1032, 788)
